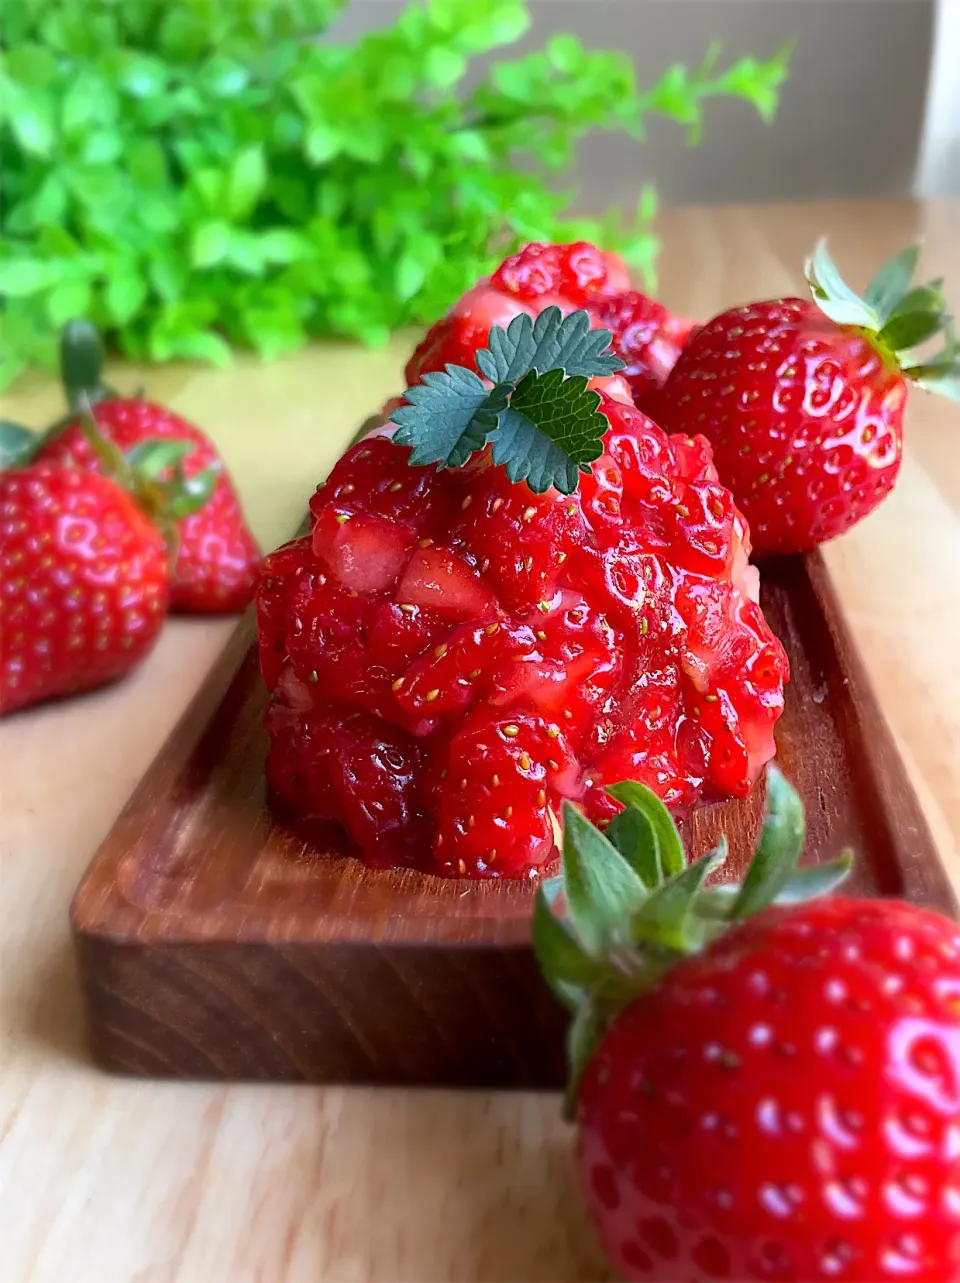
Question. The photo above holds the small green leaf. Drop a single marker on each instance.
(125, 293)
(632, 834)
(583, 1036)
(551, 431)
(19, 278)
(322, 143)
(281, 245)
(194, 492)
(892, 281)
(31, 119)
(910, 330)
(151, 459)
(600, 888)
(779, 848)
(443, 67)
(200, 345)
(565, 966)
(670, 853)
(451, 414)
(247, 179)
(16, 443)
(833, 295)
(662, 920)
(210, 244)
(68, 301)
(815, 880)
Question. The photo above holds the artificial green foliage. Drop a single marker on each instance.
(196, 174)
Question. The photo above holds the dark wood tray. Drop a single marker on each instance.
(213, 942)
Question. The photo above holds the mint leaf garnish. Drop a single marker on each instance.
(543, 421)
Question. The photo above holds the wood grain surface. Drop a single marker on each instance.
(215, 942)
(112, 1180)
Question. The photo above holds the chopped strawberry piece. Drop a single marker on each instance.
(498, 811)
(364, 553)
(445, 582)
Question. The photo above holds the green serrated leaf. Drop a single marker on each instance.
(16, 443)
(632, 834)
(600, 888)
(551, 431)
(892, 281)
(549, 342)
(451, 414)
(671, 857)
(779, 848)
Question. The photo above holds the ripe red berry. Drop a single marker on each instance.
(765, 1086)
(84, 583)
(804, 412)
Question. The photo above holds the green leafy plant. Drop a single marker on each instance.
(195, 174)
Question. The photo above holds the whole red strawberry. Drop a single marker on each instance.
(452, 652)
(762, 1090)
(648, 337)
(803, 401)
(217, 557)
(85, 583)
(535, 277)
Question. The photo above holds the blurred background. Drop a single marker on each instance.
(871, 107)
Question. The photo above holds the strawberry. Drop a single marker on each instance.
(535, 277)
(648, 338)
(765, 1085)
(608, 616)
(217, 556)
(579, 273)
(803, 401)
(84, 579)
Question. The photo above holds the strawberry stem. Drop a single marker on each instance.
(81, 364)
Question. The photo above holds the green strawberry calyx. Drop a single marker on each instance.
(532, 404)
(895, 315)
(152, 471)
(626, 906)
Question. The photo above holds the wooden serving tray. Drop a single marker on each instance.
(214, 942)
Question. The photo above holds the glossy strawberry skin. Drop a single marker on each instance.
(84, 579)
(579, 273)
(217, 556)
(648, 337)
(535, 277)
(582, 620)
(805, 418)
(786, 1105)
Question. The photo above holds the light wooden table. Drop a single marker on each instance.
(115, 1181)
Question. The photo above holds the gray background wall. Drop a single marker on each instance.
(852, 112)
